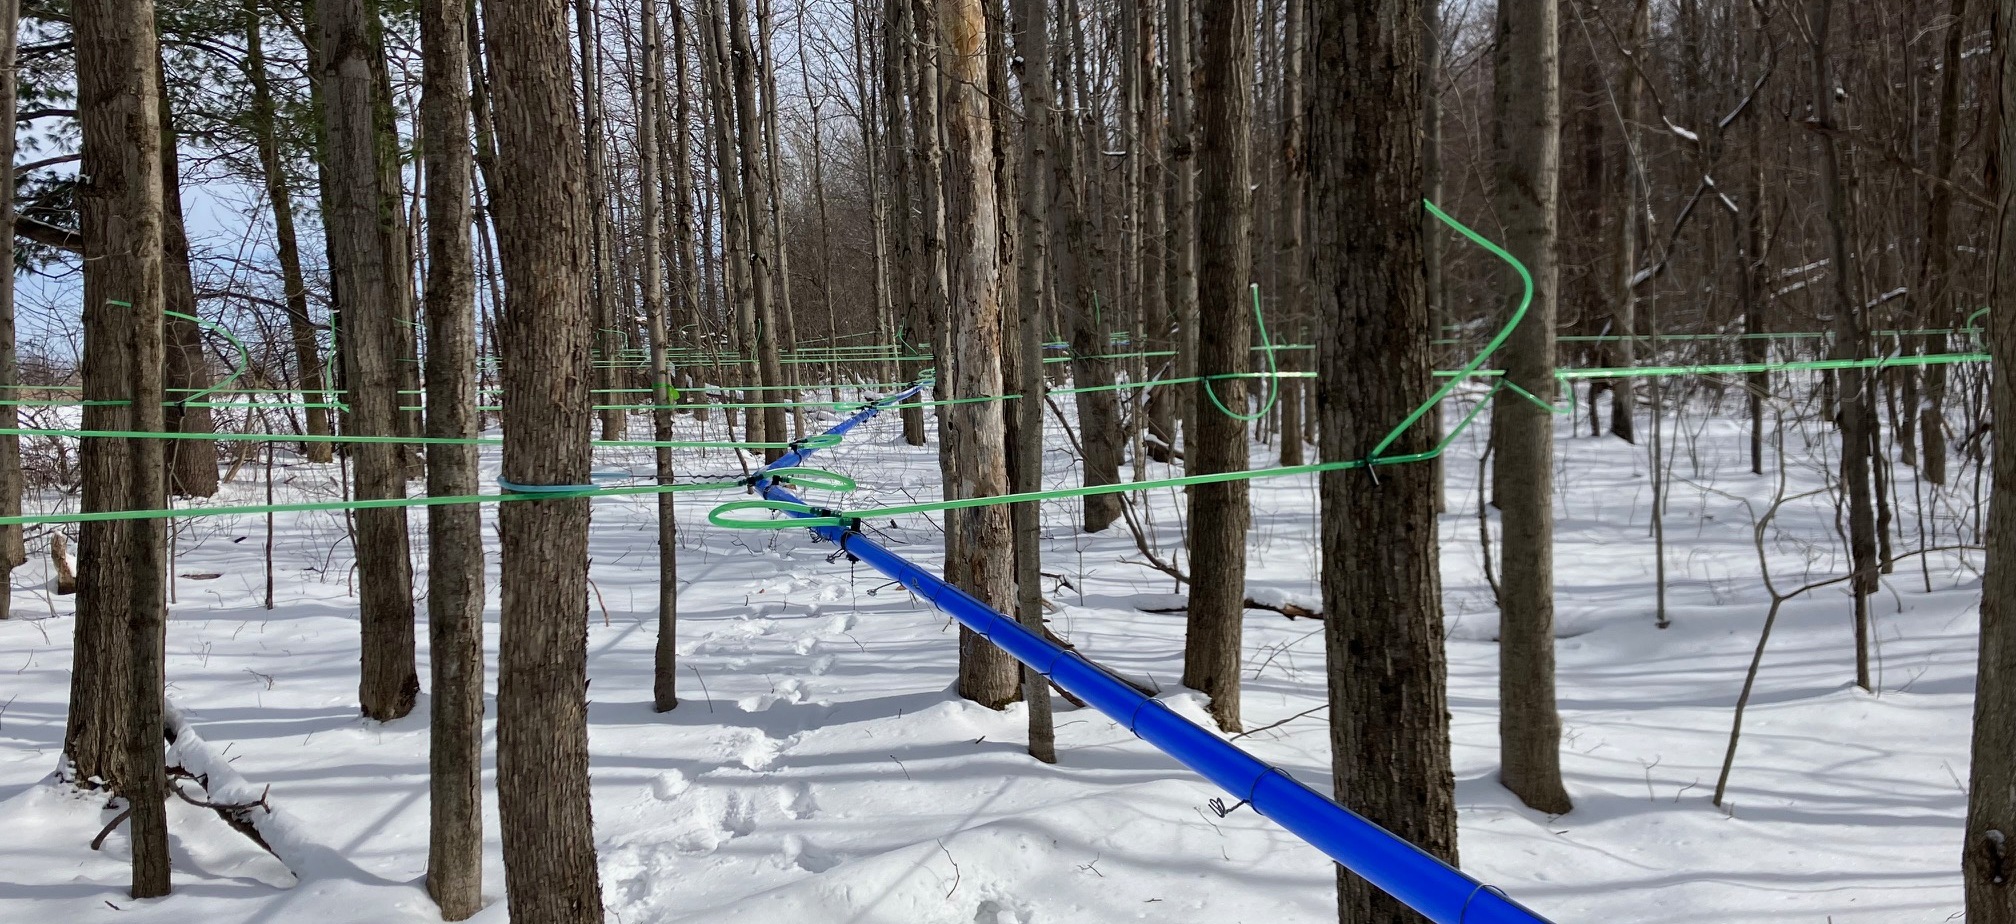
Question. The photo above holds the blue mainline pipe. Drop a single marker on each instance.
(1437, 890)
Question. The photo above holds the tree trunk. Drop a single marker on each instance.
(190, 465)
(542, 708)
(1526, 139)
(1624, 184)
(364, 280)
(665, 663)
(738, 254)
(121, 215)
(1389, 726)
(987, 675)
(1032, 45)
(1219, 513)
(608, 340)
(762, 249)
(13, 553)
(287, 248)
(1432, 236)
(896, 80)
(1293, 298)
(1853, 384)
(1988, 869)
(1933, 283)
(1182, 205)
(1073, 186)
(454, 531)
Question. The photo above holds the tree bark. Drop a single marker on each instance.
(1294, 296)
(287, 248)
(1854, 416)
(1625, 184)
(1219, 514)
(987, 675)
(1032, 45)
(1988, 869)
(365, 281)
(665, 662)
(454, 531)
(1937, 307)
(608, 339)
(13, 552)
(755, 196)
(1182, 204)
(1526, 140)
(190, 465)
(1383, 635)
(542, 729)
(121, 215)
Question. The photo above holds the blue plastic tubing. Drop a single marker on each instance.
(1437, 890)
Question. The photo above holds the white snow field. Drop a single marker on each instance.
(820, 770)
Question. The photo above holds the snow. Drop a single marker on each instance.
(825, 772)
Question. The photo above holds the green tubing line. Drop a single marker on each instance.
(1476, 362)
(721, 516)
(1273, 384)
(817, 479)
(1814, 365)
(1972, 326)
(244, 357)
(814, 442)
(189, 513)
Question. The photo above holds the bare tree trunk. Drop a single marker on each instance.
(1032, 45)
(780, 255)
(1157, 317)
(13, 553)
(762, 249)
(1182, 204)
(665, 662)
(287, 248)
(542, 709)
(1219, 513)
(364, 280)
(1988, 868)
(121, 231)
(987, 675)
(1853, 383)
(1389, 726)
(1526, 140)
(897, 66)
(1625, 182)
(1432, 235)
(190, 465)
(1937, 307)
(1073, 187)
(1294, 268)
(395, 238)
(121, 213)
(608, 340)
(454, 531)
(734, 212)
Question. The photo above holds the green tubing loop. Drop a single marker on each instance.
(723, 515)
(1273, 381)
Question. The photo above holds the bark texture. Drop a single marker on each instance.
(1988, 868)
(121, 212)
(455, 531)
(542, 708)
(1383, 635)
(987, 675)
(1219, 515)
(368, 286)
(1526, 139)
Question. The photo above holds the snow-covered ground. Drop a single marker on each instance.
(820, 770)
